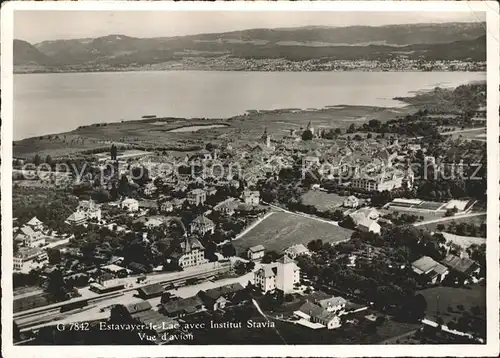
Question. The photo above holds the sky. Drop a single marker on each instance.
(37, 26)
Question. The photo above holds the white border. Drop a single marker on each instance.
(493, 35)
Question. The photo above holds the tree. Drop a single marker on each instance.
(228, 250)
(114, 152)
(451, 212)
(56, 287)
(37, 160)
(269, 256)
(369, 136)
(54, 256)
(49, 160)
(315, 245)
(307, 135)
(351, 129)
(348, 223)
(440, 227)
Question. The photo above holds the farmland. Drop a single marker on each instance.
(282, 230)
(451, 302)
(481, 219)
(321, 200)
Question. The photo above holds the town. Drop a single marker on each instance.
(370, 232)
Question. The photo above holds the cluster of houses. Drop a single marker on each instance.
(30, 239)
(464, 268)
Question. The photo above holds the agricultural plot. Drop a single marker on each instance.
(282, 230)
(322, 201)
(451, 302)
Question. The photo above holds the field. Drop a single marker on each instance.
(440, 298)
(282, 230)
(321, 200)
(426, 205)
(471, 220)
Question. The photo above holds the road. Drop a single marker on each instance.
(334, 223)
(464, 130)
(448, 218)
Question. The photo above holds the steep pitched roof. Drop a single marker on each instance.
(203, 220)
(217, 292)
(34, 222)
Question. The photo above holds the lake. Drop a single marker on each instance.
(53, 103)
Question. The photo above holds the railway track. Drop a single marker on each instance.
(27, 319)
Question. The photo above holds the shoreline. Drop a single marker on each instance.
(246, 115)
(130, 70)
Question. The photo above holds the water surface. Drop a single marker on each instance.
(52, 103)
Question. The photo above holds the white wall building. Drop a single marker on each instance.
(129, 204)
(280, 275)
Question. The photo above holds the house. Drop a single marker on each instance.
(333, 304)
(148, 204)
(227, 207)
(211, 191)
(77, 218)
(251, 197)
(368, 225)
(310, 161)
(351, 202)
(166, 207)
(202, 225)
(461, 265)
(36, 224)
(90, 209)
(430, 268)
(27, 254)
(280, 275)
(363, 214)
(28, 237)
(327, 302)
(234, 183)
(182, 307)
(137, 267)
(150, 291)
(256, 252)
(192, 253)
(177, 203)
(386, 156)
(316, 314)
(414, 147)
(149, 189)
(116, 270)
(296, 250)
(130, 205)
(220, 297)
(197, 197)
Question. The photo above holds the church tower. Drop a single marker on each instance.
(310, 127)
(266, 138)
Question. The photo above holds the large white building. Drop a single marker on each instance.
(388, 179)
(129, 204)
(31, 235)
(193, 253)
(280, 275)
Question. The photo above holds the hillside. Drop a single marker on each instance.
(428, 42)
(27, 54)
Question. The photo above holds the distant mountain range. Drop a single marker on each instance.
(448, 41)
